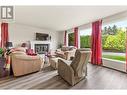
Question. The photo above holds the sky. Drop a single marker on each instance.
(122, 24)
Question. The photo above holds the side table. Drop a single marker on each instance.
(3, 72)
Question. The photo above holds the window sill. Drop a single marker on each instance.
(114, 64)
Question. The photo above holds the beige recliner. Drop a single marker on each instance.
(23, 64)
(75, 70)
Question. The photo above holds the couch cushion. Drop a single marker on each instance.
(19, 49)
(84, 49)
(26, 57)
(69, 48)
(64, 48)
(18, 52)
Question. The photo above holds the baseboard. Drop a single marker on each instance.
(118, 65)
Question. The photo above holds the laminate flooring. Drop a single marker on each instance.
(98, 77)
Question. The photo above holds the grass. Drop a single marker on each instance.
(120, 58)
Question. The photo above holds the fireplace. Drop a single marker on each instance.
(41, 48)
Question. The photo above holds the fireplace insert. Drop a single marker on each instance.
(41, 48)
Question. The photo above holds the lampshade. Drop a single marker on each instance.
(9, 44)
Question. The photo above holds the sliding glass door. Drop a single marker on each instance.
(71, 39)
(113, 40)
(85, 38)
(114, 45)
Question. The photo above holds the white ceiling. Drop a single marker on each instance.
(60, 18)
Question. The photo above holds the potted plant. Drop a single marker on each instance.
(60, 45)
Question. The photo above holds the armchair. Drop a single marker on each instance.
(66, 52)
(75, 70)
(23, 64)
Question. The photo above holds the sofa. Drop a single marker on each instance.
(66, 52)
(23, 64)
(75, 70)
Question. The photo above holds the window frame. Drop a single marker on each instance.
(69, 32)
(84, 29)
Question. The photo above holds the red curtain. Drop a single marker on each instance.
(4, 34)
(65, 37)
(76, 37)
(96, 57)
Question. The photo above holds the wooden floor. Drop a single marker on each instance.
(98, 78)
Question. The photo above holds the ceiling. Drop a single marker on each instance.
(61, 18)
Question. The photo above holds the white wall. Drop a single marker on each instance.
(115, 18)
(19, 33)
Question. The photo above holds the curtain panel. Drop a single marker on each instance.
(96, 48)
(65, 38)
(76, 37)
(4, 34)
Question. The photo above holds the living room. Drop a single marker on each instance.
(35, 29)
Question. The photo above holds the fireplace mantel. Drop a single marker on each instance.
(32, 44)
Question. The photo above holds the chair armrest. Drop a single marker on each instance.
(65, 69)
(58, 50)
(60, 54)
(69, 54)
(69, 51)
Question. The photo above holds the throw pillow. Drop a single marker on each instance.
(30, 52)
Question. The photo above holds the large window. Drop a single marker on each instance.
(113, 40)
(71, 39)
(85, 38)
(0, 31)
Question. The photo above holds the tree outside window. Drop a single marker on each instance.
(71, 39)
(114, 41)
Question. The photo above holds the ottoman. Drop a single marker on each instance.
(54, 62)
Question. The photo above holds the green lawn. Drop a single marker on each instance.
(120, 58)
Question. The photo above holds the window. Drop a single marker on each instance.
(71, 39)
(85, 38)
(113, 40)
(0, 31)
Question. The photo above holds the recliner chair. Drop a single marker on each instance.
(75, 70)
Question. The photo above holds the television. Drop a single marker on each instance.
(42, 36)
